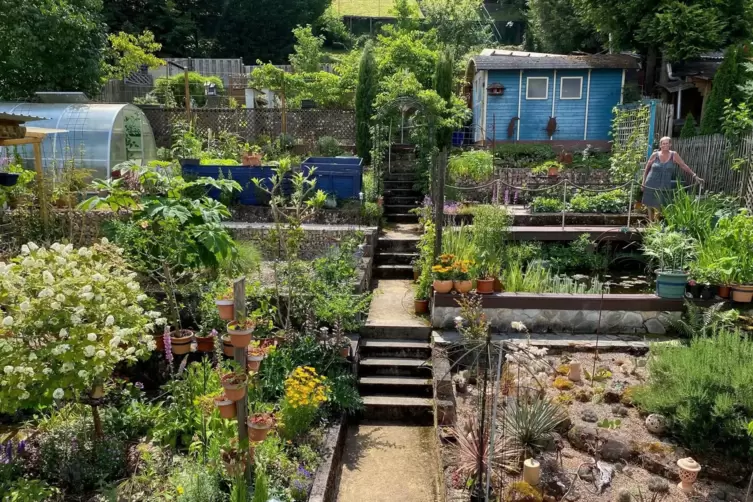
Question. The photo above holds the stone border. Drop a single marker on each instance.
(555, 301)
(555, 219)
(324, 488)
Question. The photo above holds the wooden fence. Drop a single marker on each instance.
(305, 126)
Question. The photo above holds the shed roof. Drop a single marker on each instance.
(495, 59)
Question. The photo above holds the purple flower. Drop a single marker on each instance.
(168, 345)
(427, 201)
(507, 196)
(213, 333)
(515, 197)
(451, 207)
(302, 470)
(8, 454)
(139, 385)
(21, 447)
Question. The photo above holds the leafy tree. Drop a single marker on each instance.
(308, 50)
(723, 87)
(557, 27)
(689, 129)
(406, 50)
(365, 93)
(336, 34)
(457, 23)
(678, 30)
(50, 45)
(127, 53)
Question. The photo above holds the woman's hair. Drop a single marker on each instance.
(667, 138)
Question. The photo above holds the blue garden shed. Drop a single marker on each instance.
(536, 97)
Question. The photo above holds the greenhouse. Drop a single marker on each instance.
(95, 136)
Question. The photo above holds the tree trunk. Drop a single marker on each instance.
(97, 422)
(650, 79)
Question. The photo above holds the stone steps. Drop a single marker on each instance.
(404, 245)
(385, 271)
(402, 218)
(390, 209)
(393, 200)
(395, 386)
(395, 366)
(395, 347)
(406, 409)
(388, 258)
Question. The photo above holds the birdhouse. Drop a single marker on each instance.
(496, 89)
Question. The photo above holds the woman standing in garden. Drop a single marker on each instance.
(657, 177)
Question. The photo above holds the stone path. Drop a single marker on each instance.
(389, 463)
(392, 305)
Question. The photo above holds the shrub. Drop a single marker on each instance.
(689, 129)
(546, 205)
(327, 146)
(474, 165)
(196, 82)
(521, 155)
(614, 201)
(704, 390)
(70, 316)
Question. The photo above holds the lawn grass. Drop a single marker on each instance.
(365, 8)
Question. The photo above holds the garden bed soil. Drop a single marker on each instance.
(637, 455)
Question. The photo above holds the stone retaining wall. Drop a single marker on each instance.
(349, 215)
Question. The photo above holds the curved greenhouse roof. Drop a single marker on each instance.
(97, 136)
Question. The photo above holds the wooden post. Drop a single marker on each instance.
(188, 93)
(439, 203)
(43, 209)
(239, 355)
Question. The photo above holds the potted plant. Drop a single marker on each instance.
(255, 355)
(416, 269)
(206, 343)
(259, 425)
(180, 341)
(8, 179)
(253, 155)
(234, 382)
(484, 277)
(461, 270)
(342, 344)
(226, 305)
(442, 274)
(241, 332)
(734, 236)
(671, 251)
(226, 406)
(227, 346)
(234, 459)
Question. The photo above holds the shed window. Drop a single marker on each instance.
(571, 87)
(537, 87)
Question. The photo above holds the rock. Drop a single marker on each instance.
(654, 326)
(585, 473)
(619, 410)
(549, 498)
(719, 495)
(553, 442)
(624, 496)
(656, 423)
(658, 485)
(564, 426)
(572, 496)
(581, 436)
(615, 449)
(589, 415)
(613, 392)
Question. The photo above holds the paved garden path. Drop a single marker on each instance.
(389, 463)
(392, 304)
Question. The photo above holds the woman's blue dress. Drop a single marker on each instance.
(657, 191)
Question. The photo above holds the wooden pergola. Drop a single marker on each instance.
(14, 133)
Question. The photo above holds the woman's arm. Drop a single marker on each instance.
(648, 168)
(685, 167)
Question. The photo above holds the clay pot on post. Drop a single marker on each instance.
(442, 286)
(227, 346)
(253, 362)
(205, 344)
(180, 341)
(724, 291)
(235, 386)
(240, 333)
(484, 286)
(226, 407)
(226, 309)
(159, 341)
(259, 426)
(463, 287)
(421, 306)
(689, 469)
(742, 293)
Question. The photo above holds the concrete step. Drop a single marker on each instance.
(404, 245)
(400, 176)
(392, 386)
(391, 200)
(394, 366)
(399, 185)
(387, 258)
(395, 347)
(403, 192)
(418, 410)
(392, 272)
(402, 218)
(399, 209)
(414, 331)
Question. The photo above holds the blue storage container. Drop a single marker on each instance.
(250, 194)
(338, 176)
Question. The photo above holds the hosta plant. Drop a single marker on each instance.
(68, 317)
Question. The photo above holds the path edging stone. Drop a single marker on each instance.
(324, 488)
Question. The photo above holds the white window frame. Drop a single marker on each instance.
(546, 96)
(580, 95)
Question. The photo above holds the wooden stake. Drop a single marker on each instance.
(239, 355)
(43, 209)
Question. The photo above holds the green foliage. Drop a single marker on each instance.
(127, 53)
(546, 205)
(629, 155)
(737, 120)
(699, 321)
(670, 251)
(458, 24)
(50, 45)
(704, 391)
(538, 279)
(531, 423)
(327, 146)
(696, 216)
(307, 54)
(615, 201)
(331, 25)
(732, 240)
(198, 484)
(689, 128)
(521, 154)
(261, 489)
(557, 27)
(366, 91)
(471, 165)
(542, 168)
(177, 85)
(580, 254)
(726, 79)
(443, 84)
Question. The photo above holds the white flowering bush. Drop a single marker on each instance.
(68, 317)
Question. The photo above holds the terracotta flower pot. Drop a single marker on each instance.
(498, 287)
(442, 286)
(227, 347)
(181, 344)
(252, 159)
(484, 286)
(205, 344)
(463, 286)
(226, 309)
(235, 392)
(226, 407)
(345, 351)
(742, 293)
(159, 340)
(724, 291)
(240, 338)
(421, 306)
(553, 171)
(253, 362)
(257, 432)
